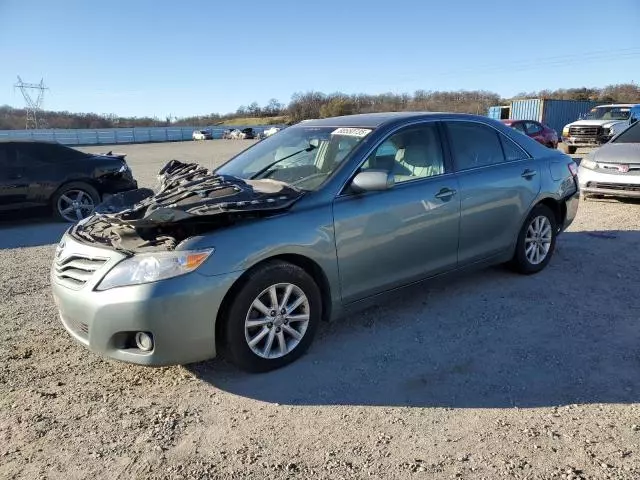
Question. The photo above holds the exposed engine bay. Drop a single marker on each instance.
(191, 201)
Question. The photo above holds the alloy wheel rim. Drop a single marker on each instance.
(537, 242)
(277, 320)
(74, 205)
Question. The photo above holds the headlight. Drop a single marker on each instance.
(151, 267)
(606, 131)
(565, 132)
(589, 164)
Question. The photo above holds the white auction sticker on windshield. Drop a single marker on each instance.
(352, 132)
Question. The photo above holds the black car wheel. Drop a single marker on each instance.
(75, 201)
(536, 241)
(273, 317)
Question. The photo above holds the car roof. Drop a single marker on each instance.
(375, 120)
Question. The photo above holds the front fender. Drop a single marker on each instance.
(308, 233)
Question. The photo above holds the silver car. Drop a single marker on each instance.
(314, 221)
(614, 168)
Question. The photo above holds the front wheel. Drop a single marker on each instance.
(273, 317)
(75, 201)
(536, 241)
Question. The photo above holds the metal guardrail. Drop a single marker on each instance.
(110, 136)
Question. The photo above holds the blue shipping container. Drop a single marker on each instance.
(553, 113)
(494, 112)
(499, 112)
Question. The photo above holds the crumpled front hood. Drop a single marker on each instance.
(190, 201)
(624, 153)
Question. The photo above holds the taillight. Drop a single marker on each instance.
(573, 168)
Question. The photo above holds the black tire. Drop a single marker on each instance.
(236, 345)
(571, 150)
(83, 187)
(520, 262)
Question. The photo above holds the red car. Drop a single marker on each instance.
(536, 130)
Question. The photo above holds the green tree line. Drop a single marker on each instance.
(319, 105)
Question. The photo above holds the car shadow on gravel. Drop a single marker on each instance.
(490, 339)
(29, 231)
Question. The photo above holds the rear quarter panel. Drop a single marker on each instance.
(48, 178)
(559, 184)
(556, 180)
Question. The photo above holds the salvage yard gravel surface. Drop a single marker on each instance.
(493, 375)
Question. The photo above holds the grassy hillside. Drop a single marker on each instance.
(248, 121)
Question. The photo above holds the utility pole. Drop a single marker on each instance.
(33, 107)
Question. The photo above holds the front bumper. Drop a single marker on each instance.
(611, 184)
(585, 142)
(180, 313)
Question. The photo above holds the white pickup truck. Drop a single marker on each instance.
(598, 126)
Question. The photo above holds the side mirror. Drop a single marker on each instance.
(372, 180)
(632, 120)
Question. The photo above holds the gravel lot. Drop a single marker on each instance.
(490, 376)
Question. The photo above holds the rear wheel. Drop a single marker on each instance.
(536, 241)
(75, 201)
(273, 318)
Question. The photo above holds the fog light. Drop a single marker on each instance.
(144, 341)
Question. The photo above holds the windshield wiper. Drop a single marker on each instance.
(272, 164)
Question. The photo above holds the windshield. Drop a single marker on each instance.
(608, 113)
(630, 135)
(302, 156)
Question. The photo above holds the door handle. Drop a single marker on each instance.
(529, 174)
(445, 194)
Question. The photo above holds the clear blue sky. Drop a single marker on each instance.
(144, 57)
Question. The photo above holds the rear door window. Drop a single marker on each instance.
(46, 153)
(533, 128)
(474, 145)
(30, 154)
(512, 151)
(519, 127)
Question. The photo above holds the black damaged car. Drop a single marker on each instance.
(67, 181)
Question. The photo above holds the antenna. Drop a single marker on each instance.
(34, 107)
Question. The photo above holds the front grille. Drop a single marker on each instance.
(622, 187)
(614, 168)
(76, 270)
(586, 131)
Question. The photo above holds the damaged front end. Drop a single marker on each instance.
(191, 201)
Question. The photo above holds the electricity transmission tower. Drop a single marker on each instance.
(34, 107)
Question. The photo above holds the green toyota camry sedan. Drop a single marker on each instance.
(321, 217)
